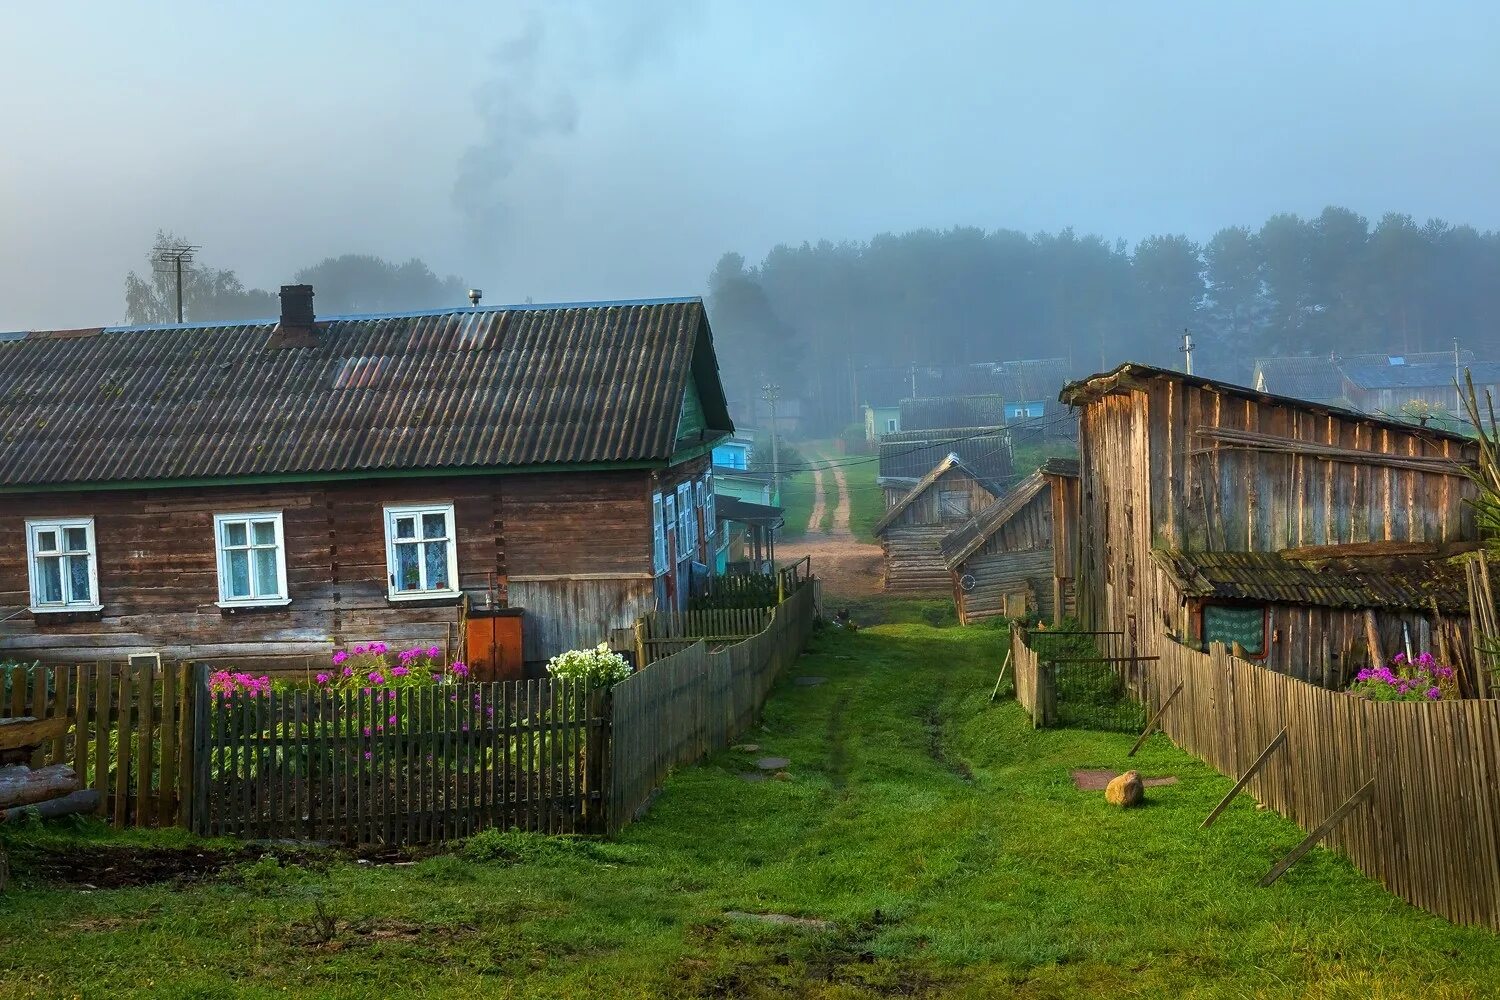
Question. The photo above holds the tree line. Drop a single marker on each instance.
(808, 316)
(343, 285)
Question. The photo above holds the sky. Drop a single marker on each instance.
(588, 150)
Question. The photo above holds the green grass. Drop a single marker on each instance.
(866, 498)
(797, 503)
(938, 832)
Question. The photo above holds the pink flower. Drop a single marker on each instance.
(376, 677)
(1434, 693)
(378, 647)
(361, 650)
(339, 656)
(391, 720)
(460, 668)
(367, 730)
(435, 651)
(399, 671)
(322, 678)
(368, 755)
(348, 671)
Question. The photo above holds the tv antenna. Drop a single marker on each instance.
(170, 260)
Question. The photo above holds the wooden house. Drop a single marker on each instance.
(912, 530)
(1314, 537)
(1015, 558)
(264, 492)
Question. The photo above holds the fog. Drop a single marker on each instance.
(594, 151)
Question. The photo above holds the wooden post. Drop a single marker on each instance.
(1324, 828)
(1151, 725)
(1260, 761)
(996, 693)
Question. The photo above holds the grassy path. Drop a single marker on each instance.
(937, 832)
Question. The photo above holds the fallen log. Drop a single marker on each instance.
(20, 785)
(83, 801)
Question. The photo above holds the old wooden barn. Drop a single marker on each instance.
(1312, 536)
(912, 530)
(1015, 557)
(265, 492)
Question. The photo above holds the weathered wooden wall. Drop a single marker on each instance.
(1018, 555)
(1150, 479)
(913, 559)
(576, 544)
(1065, 499)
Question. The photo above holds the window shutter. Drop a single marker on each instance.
(658, 537)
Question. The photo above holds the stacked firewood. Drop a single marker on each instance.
(54, 790)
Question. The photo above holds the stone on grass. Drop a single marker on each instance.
(782, 919)
(782, 776)
(1125, 791)
(773, 763)
(747, 748)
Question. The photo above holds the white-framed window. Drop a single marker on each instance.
(421, 557)
(252, 559)
(669, 522)
(685, 530)
(890, 425)
(61, 557)
(658, 537)
(710, 505)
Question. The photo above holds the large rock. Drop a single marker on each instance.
(1125, 791)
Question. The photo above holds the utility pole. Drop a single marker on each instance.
(1187, 349)
(169, 260)
(771, 392)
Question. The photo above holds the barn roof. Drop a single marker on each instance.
(510, 386)
(925, 483)
(1315, 377)
(906, 456)
(1383, 374)
(963, 541)
(952, 411)
(1406, 582)
(1132, 374)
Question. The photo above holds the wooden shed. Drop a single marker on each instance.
(265, 492)
(1015, 557)
(1210, 511)
(913, 528)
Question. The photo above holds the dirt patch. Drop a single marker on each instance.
(819, 507)
(782, 920)
(933, 720)
(1097, 779)
(119, 866)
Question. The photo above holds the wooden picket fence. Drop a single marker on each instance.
(1409, 792)
(400, 767)
(696, 701)
(662, 633)
(128, 736)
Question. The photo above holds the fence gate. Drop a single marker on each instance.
(1091, 680)
(401, 766)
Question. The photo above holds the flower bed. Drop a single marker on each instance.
(1422, 679)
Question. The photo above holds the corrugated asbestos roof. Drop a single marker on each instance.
(1316, 378)
(510, 386)
(1409, 583)
(1439, 375)
(952, 411)
(909, 455)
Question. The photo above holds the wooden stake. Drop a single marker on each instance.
(996, 693)
(1260, 761)
(1324, 828)
(1151, 726)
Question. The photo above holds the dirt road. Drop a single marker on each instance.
(847, 566)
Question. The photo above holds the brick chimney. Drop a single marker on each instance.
(297, 326)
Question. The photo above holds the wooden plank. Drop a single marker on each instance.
(60, 703)
(82, 681)
(166, 785)
(145, 686)
(28, 731)
(1151, 725)
(121, 807)
(1265, 755)
(1322, 830)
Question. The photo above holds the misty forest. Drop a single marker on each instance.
(808, 315)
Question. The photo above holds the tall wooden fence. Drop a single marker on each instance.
(128, 736)
(400, 766)
(693, 702)
(1429, 825)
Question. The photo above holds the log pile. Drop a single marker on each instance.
(54, 790)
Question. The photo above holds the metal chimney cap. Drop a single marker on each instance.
(475, 294)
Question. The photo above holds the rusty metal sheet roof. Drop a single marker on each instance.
(448, 389)
(1408, 583)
